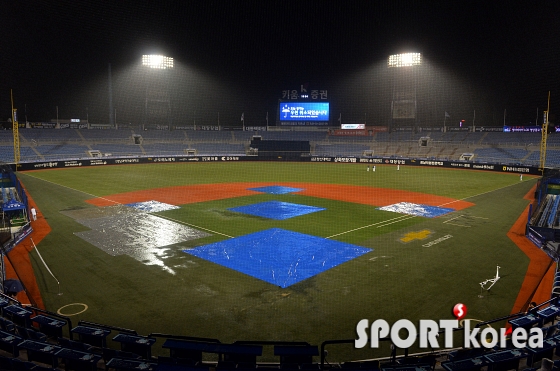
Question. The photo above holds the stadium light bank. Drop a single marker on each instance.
(155, 61)
(404, 60)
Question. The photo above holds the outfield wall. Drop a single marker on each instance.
(518, 169)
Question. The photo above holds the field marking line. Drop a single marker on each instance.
(457, 217)
(75, 190)
(479, 194)
(460, 225)
(372, 225)
(407, 217)
(118, 203)
(463, 216)
(192, 225)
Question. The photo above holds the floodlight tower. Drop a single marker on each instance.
(157, 106)
(403, 99)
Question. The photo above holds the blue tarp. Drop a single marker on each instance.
(276, 190)
(276, 210)
(278, 256)
(12, 205)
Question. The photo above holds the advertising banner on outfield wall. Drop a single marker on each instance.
(350, 132)
(498, 129)
(42, 125)
(516, 169)
(378, 129)
(74, 125)
(431, 129)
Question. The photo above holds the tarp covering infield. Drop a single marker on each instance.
(276, 210)
(278, 256)
(417, 210)
(276, 190)
(152, 206)
(135, 234)
(124, 230)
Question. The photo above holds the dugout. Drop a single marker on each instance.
(289, 150)
(543, 227)
(14, 204)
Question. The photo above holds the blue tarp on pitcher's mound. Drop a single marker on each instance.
(278, 256)
(276, 210)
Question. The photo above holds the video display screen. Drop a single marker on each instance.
(304, 111)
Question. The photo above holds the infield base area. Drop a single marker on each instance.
(123, 230)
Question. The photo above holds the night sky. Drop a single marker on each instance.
(234, 57)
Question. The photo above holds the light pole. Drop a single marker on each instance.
(157, 105)
(403, 97)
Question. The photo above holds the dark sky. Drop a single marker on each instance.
(237, 56)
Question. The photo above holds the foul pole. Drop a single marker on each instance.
(544, 135)
(15, 130)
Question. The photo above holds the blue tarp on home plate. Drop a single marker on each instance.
(278, 256)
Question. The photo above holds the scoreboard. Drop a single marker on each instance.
(304, 111)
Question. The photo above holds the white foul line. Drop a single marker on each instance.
(383, 223)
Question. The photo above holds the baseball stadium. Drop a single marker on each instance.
(159, 247)
(215, 226)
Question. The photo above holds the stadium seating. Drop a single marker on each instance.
(218, 149)
(47, 135)
(340, 149)
(96, 134)
(165, 149)
(488, 147)
(501, 155)
(209, 136)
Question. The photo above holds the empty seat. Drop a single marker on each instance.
(31, 334)
(75, 345)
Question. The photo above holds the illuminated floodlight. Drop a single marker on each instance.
(157, 61)
(404, 60)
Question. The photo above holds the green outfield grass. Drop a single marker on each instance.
(395, 280)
